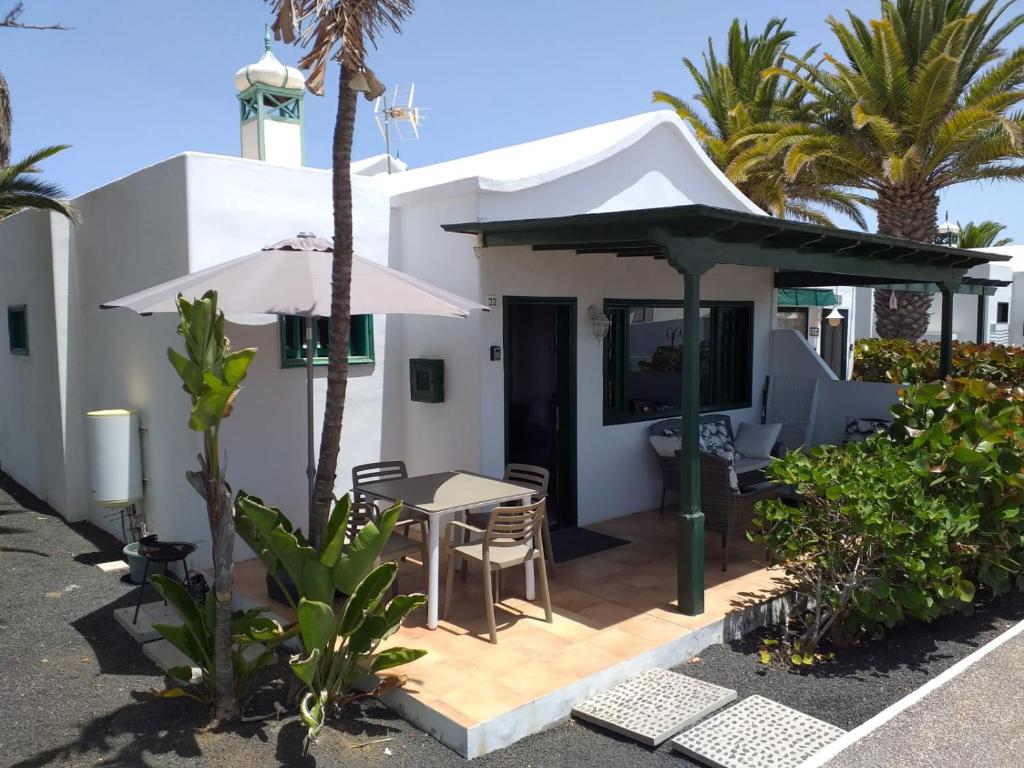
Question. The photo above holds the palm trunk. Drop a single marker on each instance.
(222, 530)
(910, 214)
(341, 305)
(5, 122)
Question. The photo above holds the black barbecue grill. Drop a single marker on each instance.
(166, 552)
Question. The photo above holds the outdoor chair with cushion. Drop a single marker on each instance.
(727, 510)
(534, 477)
(513, 537)
(398, 546)
(747, 452)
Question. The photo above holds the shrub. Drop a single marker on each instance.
(917, 362)
(906, 524)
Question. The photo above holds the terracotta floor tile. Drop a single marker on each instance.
(572, 599)
(484, 702)
(652, 629)
(616, 643)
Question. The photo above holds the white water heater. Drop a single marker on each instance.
(114, 457)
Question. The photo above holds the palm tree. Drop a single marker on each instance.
(20, 189)
(984, 234)
(736, 97)
(924, 98)
(338, 30)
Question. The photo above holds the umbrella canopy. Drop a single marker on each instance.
(293, 277)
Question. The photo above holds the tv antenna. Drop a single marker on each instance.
(396, 110)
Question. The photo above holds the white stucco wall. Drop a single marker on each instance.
(180, 215)
(31, 423)
(838, 400)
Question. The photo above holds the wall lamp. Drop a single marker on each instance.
(600, 320)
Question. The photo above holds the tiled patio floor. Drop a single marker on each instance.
(609, 607)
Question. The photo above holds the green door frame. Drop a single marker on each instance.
(560, 301)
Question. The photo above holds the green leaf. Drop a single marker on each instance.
(191, 377)
(311, 709)
(364, 551)
(367, 596)
(395, 657)
(334, 533)
(236, 366)
(305, 668)
(181, 674)
(316, 624)
(764, 657)
(965, 591)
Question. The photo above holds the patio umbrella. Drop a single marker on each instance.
(293, 277)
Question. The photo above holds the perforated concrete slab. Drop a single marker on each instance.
(149, 614)
(653, 706)
(756, 733)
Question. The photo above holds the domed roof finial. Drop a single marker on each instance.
(269, 71)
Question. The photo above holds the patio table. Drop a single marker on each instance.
(441, 496)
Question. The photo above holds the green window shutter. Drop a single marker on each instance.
(293, 335)
(17, 329)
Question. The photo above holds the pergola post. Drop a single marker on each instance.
(690, 518)
(946, 338)
(980, 334)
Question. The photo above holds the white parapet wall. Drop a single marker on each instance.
(838, 401)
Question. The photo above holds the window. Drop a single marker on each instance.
(293, 340)
(794, 318)
(1003, 312)
(643, 358)
(17, 329)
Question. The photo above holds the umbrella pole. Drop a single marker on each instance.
(310, 466)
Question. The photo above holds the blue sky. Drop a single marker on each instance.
(136, 82)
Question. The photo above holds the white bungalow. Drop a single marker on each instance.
(586, 246)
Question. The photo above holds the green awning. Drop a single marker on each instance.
(807, 297)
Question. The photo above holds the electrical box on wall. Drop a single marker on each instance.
(426, 380)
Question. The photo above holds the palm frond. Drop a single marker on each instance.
(21, 188)
(335, 29)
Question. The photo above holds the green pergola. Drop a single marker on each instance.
(695, 238)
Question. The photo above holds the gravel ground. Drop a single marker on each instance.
(74, 689)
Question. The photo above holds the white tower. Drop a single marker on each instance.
(270, 95)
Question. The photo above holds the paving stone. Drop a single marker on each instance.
(114, 566)
(756, 733)
(653, 706)
(149, 614)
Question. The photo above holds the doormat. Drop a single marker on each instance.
(570, 543)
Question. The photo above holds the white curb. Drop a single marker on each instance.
(887, 714)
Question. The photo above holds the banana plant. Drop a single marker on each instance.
(211, 375)
(195, 639)
(342, 645)
(317, 572)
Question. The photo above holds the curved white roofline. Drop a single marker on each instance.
(521, 166)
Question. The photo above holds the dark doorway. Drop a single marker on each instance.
(833, 343)
(540, 395)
